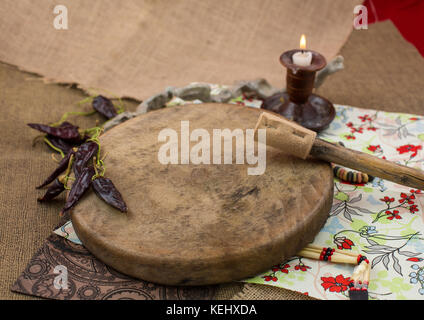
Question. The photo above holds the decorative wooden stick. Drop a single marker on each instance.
(336, 258)
(298, 141)
(358, 287)
(313, 246)
(359, 270)
(367, 274)
(329, 254)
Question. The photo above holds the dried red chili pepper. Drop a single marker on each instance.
(53, 191)
(66, 132)
(83, 155)
(69, 125)
(60, 144)
(63, 164)
(79, 187)
(65, 124)
(104, 106)
(107, 191)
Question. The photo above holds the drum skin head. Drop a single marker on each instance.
(197, 224)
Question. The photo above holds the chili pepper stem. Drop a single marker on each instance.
(72, 113)
(98, 164)
(54, 158)
(104, 157)
(53, 147)
(96, 173)
(89, 99)
(97, 131)
(65, 177)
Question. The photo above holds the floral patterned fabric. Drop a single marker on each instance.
(380, 219)
(67, 231)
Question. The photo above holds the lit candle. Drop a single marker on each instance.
(302, 58)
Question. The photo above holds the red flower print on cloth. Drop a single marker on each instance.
(343, 243)
(413, 208)
(387, 199)
(245, 97)
(365, 118)
(284, 269)
(359, 130)
(337, 284)
(375, 148)
(394, 209)
(281, 268)
(353, 184)
(302, 267)
(409, 148)
(407, 199)
(365, 124)
(415, 259)
(269, 278)
(394, 214)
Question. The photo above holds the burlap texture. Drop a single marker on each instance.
(136, 48)
(24, 223)
(382, 72)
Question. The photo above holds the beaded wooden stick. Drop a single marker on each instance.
(358, 286)
(327, 255)
(330, 254)
(313, 246)
(351, 176)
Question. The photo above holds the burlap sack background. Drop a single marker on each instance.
(382, 71)
(135, 48)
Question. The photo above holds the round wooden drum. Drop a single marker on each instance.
(196, 224)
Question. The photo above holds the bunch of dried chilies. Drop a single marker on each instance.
(80, 151)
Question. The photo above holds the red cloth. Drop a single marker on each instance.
(406, 15)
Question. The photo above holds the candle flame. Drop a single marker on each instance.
(303, 42)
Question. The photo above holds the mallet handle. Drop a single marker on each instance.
(368, 164)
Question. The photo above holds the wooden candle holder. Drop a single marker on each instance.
(299, 104)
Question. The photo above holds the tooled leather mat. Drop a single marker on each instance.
(90, 279)
(191, 224)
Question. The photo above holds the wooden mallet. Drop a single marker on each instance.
(298, 141)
